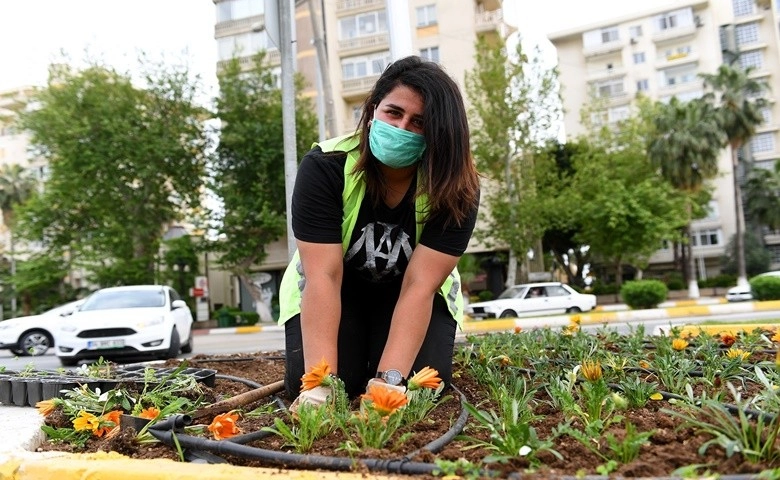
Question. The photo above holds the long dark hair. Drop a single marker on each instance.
(448, 175)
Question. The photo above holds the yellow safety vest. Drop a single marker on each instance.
(352, 196)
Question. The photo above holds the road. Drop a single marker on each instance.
(264, 341)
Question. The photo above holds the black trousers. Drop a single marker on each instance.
(362, 336)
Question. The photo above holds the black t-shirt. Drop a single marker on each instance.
(383, 238)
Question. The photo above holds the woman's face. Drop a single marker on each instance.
(402, 108)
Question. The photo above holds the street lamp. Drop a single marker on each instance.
(183, 268)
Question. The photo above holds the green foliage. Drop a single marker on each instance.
(720, 281)
(248, 169)
(312, 422)
(485, 295)
(643, 293)
(674, 281)
(600, 288)
(765, 287)
(123, 162)
(757, 258)
(762, 201)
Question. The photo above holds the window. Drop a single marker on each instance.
(364, 66)
(678, 75)
(674, 19)
(667, 21)
(617, 114)
(426, 15)
(766, 114)
(712, 212)
(675, 53)
(635, 31)
(774, 252)
(596, 38)
(639, 57)
(610, 88)
(609, 35)
(357, 111)
(431, 54)
(706, 238)
(244, 44)
(236, 9)
(752, 59)
(642, 85)
(743, 7)
(746, 33)
(762, 142)
(362, 25)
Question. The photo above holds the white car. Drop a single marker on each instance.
(744, 294)
(533, 299)
(131, 321)
(34, 334)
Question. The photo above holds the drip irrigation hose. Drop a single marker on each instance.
(278, 401)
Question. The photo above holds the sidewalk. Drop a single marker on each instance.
(18, 460)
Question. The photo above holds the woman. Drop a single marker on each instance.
(381, 218)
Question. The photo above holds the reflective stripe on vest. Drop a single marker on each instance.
(352, 196)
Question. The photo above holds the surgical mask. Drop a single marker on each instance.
(393, 146)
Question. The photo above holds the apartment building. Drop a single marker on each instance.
(356, 39)
(659, 53)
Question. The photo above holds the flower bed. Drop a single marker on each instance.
(539, 403)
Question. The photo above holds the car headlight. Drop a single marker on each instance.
(151, 322)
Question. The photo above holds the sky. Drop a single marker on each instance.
(33, 33)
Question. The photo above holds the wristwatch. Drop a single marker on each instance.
(391, 377)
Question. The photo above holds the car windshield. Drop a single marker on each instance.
(124, 299)
(511, 292)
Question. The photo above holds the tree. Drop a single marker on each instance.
(514, 103)
(757, 258)
(248, 171)
(124, 162)
(762, 196)
(17, 184)
(685, 149)
(738, 105)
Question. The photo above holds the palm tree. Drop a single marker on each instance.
(762, 196)
(16, 186)
(685, 149)
(736, 98)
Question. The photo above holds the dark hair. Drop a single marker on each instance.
(448, 175)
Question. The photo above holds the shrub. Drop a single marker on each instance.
(765, 287)
(485, 295)
(604, 288)
(247, 318)
(674, 281)
(643, 293)
(721, 281)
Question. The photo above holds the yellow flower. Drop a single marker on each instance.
(504, 360)
(728, 339)
(86, 421)
(318, 375)
(425, 378)
(679, 344)
(224, 425)
(45, 407)
(776, 336)
(151, 413)
(575, 319)
(777, 359)
(644, 364)
(385, 400)
(737, 353)
(591, 370)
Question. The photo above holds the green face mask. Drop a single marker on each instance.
(395, 147)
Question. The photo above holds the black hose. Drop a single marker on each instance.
(436, 445)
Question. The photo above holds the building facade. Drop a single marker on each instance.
(659, 53)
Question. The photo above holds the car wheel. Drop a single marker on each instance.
(173, 350)
(508, 314)
(187, 347)
(35, 343)
(573, 310)
(68, 362)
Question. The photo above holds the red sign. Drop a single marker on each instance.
(197, 292)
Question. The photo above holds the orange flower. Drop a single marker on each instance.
(591, 370)
(644, 364)
(385, 400)
(518, 329)
(318, 375)
(86, 421)
(776, 336)
(151, 413)
(728, 339)
(224, 425)
(45, 407)
(108, 423)
(679, 344)
(425, 378)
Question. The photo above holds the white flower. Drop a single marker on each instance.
(524, 450)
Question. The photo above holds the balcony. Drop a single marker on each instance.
(354, 88)
(234, 27)
(606, 73)
(364, 44)
(608, 48)
(351, 7)
(491, 21)
(272, 57)
(676, 59)
(676, 33)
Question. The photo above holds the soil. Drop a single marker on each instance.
(670, 448)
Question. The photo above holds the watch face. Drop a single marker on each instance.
(393, 377)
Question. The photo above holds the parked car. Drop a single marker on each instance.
(34, 334)
(744, 294)
(533, 299)
(132, 321)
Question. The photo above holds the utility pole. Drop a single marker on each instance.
(287, 51)
(324, 75)
(400, 30)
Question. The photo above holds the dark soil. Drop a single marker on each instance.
(669, 448)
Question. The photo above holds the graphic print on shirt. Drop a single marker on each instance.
(383, 255)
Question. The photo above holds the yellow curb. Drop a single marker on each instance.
(111, 466)
(251, 329)
(489, 325)
(599, 317)
(767, 305)
(733, 329)
(689, 310)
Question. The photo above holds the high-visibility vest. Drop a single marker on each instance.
(352, 196)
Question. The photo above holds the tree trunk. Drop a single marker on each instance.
(693, 285)
(511, 269)
(739, 236)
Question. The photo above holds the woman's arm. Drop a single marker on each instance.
(321, 302)
(426, 272)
